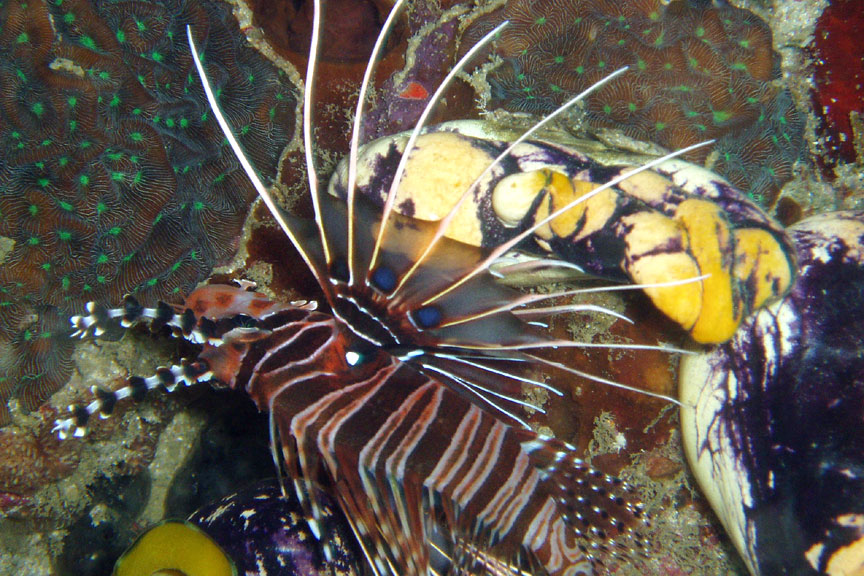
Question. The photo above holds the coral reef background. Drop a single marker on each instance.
(697, 71)
(114, 178)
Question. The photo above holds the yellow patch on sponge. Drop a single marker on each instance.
(649, 187)
(589, 216)
(655, 253)
(514, 195)
(441, 167)
(746, 267)
(174, 548)
(762, 265)
(562, 193)
(711, 246)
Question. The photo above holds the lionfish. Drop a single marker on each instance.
(400, 400)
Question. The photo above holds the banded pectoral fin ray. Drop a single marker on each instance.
(440, 481)
(225, 320)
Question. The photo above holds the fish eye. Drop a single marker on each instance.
(353, 358)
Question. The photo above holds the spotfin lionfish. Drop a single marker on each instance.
(400, 400)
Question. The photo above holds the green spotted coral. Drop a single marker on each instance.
(698, 71)
(113, 177)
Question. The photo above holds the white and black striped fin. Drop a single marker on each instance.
(100, 319)
(166, 378)
(212, 315)
(208, 314)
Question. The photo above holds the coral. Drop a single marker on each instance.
(793, 377)
(113, 175)
(31, 459)
(839, 75)
(697, 71)
(647, 229)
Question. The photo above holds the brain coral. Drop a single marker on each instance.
(697, 71)
(113, 176)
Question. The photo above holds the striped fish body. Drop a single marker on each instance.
(429, 481)
(400, 402)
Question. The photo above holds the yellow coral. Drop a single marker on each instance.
(711, 246)
(175, 548)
